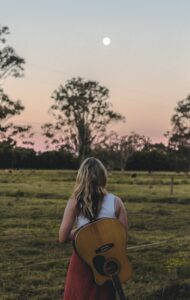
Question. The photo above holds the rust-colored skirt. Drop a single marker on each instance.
(80, 284)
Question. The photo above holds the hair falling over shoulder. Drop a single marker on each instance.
(90, 187)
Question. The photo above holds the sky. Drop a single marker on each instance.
(146, 67)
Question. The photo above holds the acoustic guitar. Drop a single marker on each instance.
(102, 245)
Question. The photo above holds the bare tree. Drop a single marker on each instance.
(124, 145)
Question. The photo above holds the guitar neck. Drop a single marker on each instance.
(118, 287)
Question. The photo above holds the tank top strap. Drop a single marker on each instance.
(108, 206)
(110, 201)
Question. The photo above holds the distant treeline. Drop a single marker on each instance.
(142, 160)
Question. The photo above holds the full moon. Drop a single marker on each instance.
(106, 41)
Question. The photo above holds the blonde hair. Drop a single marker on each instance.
(90, 187)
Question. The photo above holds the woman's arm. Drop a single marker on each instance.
(65, 232)
(121, 213)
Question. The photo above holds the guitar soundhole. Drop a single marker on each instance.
(111, 267)
(99, 262)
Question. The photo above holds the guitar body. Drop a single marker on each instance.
(102, 245)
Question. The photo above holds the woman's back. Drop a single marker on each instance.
(107, 210)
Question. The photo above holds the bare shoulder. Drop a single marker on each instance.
(72, 201)
(119, 205)
(120, 212)
(71, 204)
(118, 199)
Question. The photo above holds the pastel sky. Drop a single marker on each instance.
(146, 67)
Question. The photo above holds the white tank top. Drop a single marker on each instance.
(107, 210)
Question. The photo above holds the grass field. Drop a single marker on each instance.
(33, 264)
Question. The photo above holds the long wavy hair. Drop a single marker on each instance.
(90, 187)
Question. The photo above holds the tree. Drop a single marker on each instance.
(60, 137)
(180, 134)
(10, 65)
(179, 137)
(10, 62)
(82, 112)
(123, 147)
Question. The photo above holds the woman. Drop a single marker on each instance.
(89, 198)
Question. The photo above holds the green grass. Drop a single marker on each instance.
(33, 264)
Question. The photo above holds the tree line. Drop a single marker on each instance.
(153, 157)
(82, 112)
